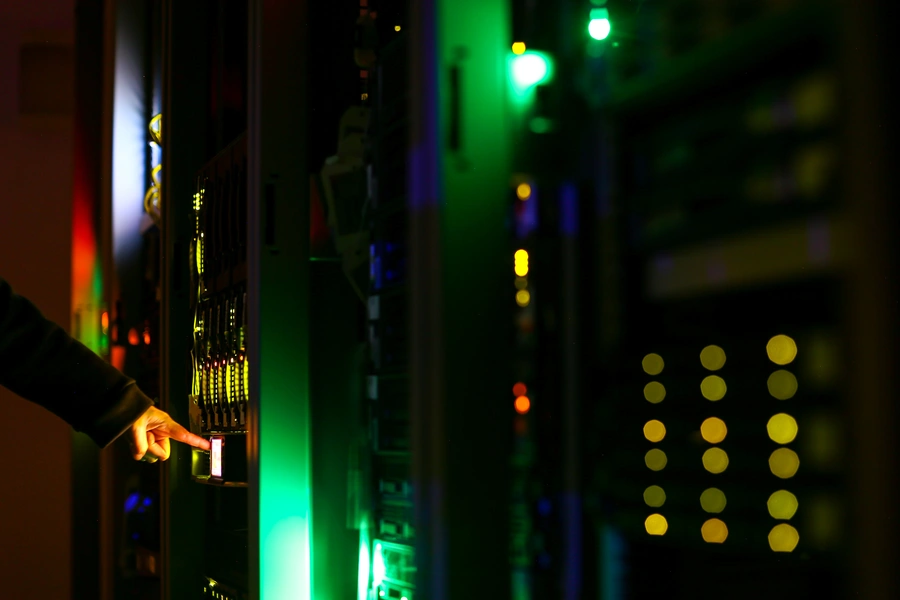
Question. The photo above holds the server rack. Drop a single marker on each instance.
(371, 416)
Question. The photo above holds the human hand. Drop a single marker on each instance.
(150, 434)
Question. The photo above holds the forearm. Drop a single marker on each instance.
(42, 363)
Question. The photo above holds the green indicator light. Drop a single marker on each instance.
(599, 27)
(362, 587)
(530, 69)
(378, 567)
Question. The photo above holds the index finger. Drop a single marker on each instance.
(180, 434)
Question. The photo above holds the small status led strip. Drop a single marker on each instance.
(782, 429)
(654, 432)
(715, 460)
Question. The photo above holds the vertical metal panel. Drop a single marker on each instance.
(458, 186)
(184, 80)
(279, 437)
(87, 204)
(872, 312)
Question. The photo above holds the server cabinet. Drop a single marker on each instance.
(519, 299)
(731, 244)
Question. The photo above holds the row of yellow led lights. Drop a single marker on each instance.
(520, 258)
(523, 299)
(215, 593)
(782, 429)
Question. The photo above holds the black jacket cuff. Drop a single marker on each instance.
(114, 422)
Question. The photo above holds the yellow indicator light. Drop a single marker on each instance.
(714, 531)
(656, 525)
(782, 350)
(523, 191)
(521, 264)
(782, 385)
(655, 460)
(521, 283)
(396, 28)
(654, 496)
(518, 48)
(654, 392)
(782, 505)
(782, 428)
(523, 405)
(654, 431)
(523, 298)
(712, 358)
(713, 388)
(715, 460)
(783, 538)
(199, 257)
(784, 463)
(713, 430)
(653, 364)
(712, 500)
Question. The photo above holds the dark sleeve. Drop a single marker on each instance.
(41, 363)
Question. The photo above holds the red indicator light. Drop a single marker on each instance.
(523, 405)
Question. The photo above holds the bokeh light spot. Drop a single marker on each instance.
(713, 430)
(655, 460)
(714, 531)
(520, 389)
(713, 388)
(523, 298)
(654, 392)
(782, 350)
(715, 460)
(783, 538)
(782, 428)
(712, 358)
(823, 522)
(523, 190)
(712, 500)
(523, 405)
(782, 385)
(521, 262)
(654, 496)
(653, 364)
(782, 505)
(784, 463)
(656, 525)
(654, 430)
